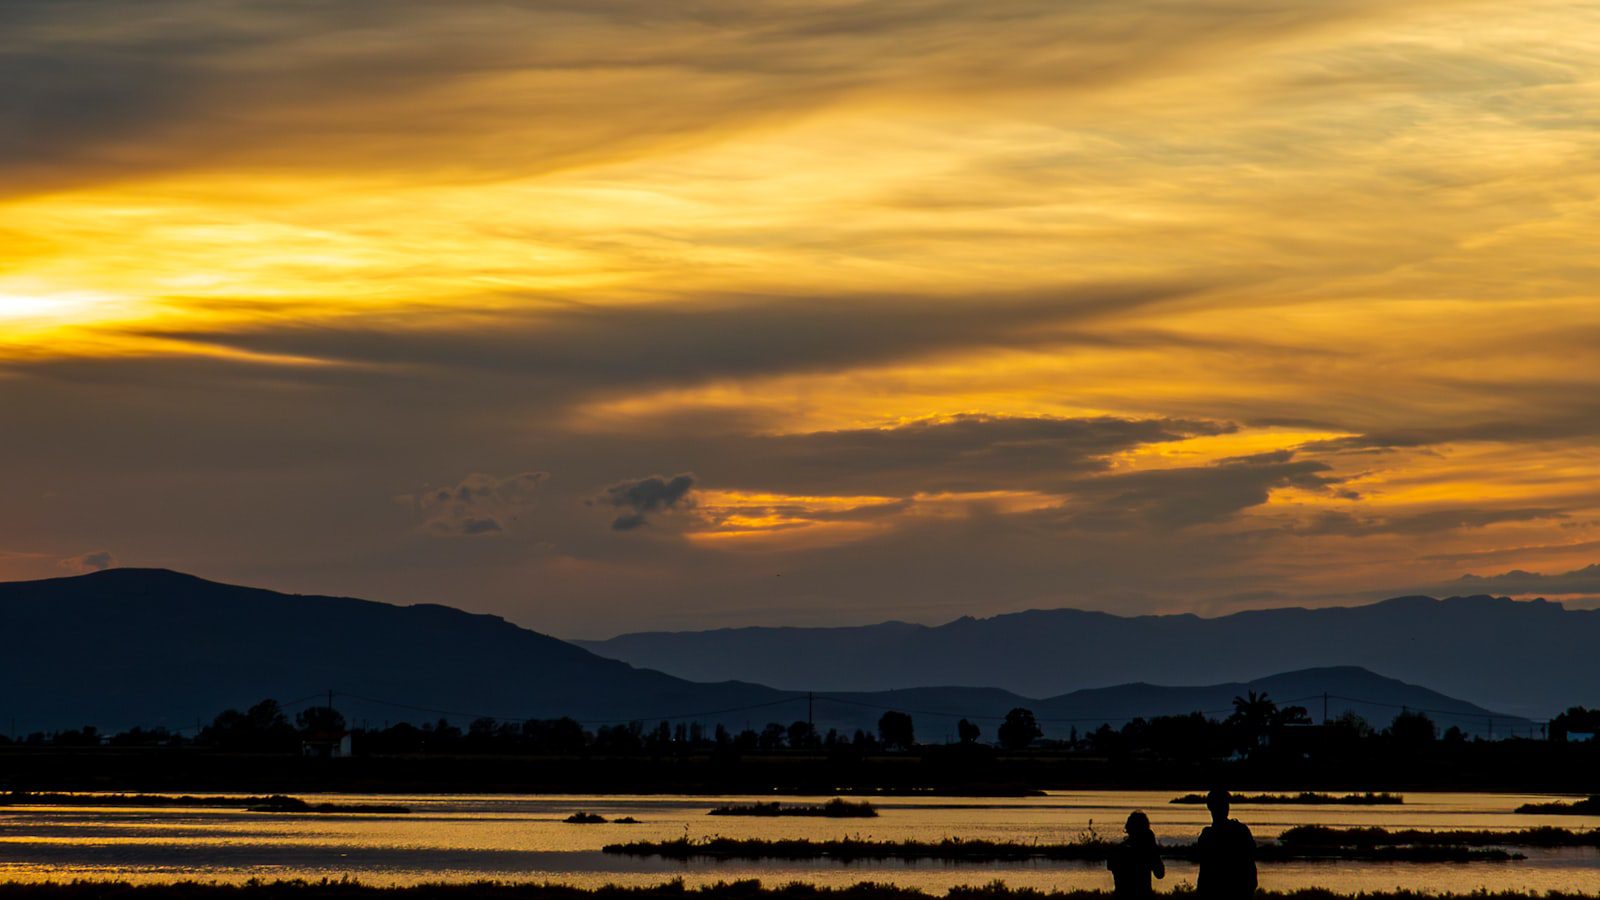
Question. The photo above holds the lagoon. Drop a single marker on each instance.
(524, 838)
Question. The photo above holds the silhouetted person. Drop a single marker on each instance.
(1133, 861)
(1227, 854)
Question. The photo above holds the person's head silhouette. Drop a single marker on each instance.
(1138, 823)
(1217, 801)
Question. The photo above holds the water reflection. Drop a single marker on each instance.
(461, 838)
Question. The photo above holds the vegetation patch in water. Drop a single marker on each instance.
(1586, 807)
(276, 803)
(1308, 798)
(281, 804)
(837, 808)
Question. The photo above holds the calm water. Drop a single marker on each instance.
(463, 838)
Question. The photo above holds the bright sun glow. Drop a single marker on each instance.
(53, 307)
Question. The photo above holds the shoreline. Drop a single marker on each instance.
(753, 889)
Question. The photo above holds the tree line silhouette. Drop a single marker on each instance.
(1257, 727)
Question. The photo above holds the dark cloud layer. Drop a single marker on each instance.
(643, 496)
(591, 347)
(1179, 497)
(960, 453)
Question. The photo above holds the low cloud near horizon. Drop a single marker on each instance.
(93, 561)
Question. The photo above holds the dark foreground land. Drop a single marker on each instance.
(738, 890)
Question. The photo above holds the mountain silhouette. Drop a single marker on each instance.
(1349, 688)
(1532, 658)
(150, 647)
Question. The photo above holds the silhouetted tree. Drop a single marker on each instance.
(772, 736)
(1252, 717)
(1190, 738)
(1105, 740)
(1352, 724)
(562, 735)
(402, 737)
(1576, 718)
(1257, 720)
(139, 737)
(967, 732)
(896, 730)
(1412, 729)
(441, 737)
(321, 720)
(481, 735)
(619, 738)
(1019, 729)
(261, 729)
(802, 735)
(87, 736)
(661, 737)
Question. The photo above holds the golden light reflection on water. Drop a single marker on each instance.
(459, 838)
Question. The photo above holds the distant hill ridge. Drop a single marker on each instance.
(153, 647)
(1530, 657)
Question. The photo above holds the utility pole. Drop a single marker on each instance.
(1324, 707)
(810, 700)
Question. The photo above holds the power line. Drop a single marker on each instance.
(1485, 716)
(655, 718)
(994, 718)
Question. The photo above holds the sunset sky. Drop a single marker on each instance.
(625, 314)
